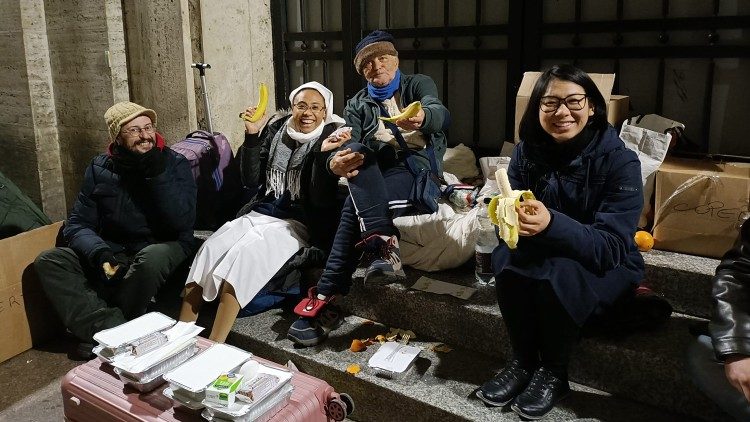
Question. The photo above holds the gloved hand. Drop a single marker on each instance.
(153, 163)
(112, 271)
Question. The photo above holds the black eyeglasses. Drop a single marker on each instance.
(573, 102)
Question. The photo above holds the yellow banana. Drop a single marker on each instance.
(260, 108)
(502, 208)
(410, 111)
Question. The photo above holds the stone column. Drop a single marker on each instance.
(43, 154)
(238, 45)
(159, 54)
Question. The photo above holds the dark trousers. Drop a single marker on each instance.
(87, 303)
(541, 331)
(376, 197)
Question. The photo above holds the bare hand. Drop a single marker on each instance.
(109, 270)
(333, 142)
(253, 127)
(412, 123)
(737, 370)
(533, 217)
(345, 163)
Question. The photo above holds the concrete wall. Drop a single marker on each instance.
(236, 42)
(66, 61)
(16, 125)
(159, 56)
(87, 51)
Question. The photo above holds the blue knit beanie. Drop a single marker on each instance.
(376, 43)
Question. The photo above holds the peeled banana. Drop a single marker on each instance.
(260, 108)
(502, 208)
(410, 111)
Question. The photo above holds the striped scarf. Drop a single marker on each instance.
(284, 165)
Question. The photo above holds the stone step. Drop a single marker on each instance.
(439, 387)
(647, 367)
(684, 280)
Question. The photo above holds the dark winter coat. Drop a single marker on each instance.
(587, 252)
(362, 114)
(317, 206)
(126, 216)
(730, 322)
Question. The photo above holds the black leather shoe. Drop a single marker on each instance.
(506, 385)
(542, 394)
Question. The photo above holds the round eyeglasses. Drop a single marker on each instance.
(136, 131)
(303, 107)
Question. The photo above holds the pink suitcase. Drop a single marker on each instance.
(93, 392)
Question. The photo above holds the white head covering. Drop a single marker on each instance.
(330, 117)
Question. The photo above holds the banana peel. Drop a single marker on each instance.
(410, 111)
(260, 108)
(502, 209)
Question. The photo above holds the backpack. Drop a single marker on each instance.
(216, 174)
(17, 213)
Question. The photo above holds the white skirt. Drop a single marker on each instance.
(246, 253)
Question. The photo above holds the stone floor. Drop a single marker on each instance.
(31, 383)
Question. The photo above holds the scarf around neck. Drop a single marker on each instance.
(284, 165)
(385, 92)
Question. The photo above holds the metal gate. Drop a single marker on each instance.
(666, 55)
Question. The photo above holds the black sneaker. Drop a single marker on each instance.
(542, 394)
(506, 385)
(308, 332)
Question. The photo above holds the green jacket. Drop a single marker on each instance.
(362, 112)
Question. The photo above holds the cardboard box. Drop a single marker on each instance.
(700, 205)
(617, 105)
(26, 316)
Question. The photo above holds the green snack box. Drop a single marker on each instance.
(223, 390)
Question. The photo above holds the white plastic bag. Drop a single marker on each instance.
(649, 137)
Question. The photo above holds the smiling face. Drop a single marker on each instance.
(380, 70)
(308, 110)
(564, 124)
(138, 135)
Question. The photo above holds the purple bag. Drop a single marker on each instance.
(216, 175)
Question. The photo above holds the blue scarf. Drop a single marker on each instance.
(385, 92)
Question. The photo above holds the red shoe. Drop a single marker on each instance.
(311, 306)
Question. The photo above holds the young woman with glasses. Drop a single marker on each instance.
(576, 255)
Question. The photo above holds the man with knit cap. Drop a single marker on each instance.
(381, 163)
(129, 229)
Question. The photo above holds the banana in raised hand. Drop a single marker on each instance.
(410, 111)
(260, 108)
(502, 208)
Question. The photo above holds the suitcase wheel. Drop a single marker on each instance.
(348, 401)
(336, 409)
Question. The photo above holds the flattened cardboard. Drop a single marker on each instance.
(700, 205)
(617, 105)
(26, 316)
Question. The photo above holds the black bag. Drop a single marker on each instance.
(426, 191)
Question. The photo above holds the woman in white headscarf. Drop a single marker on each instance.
(295, 208)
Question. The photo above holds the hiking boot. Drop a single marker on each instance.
(308, 331)
(506, 385)
(386, 267)
(542, 394)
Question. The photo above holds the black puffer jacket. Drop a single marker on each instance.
(111, 212)
(730, 323)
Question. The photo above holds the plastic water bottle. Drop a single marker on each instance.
(486, 243)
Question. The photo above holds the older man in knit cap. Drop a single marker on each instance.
(129, 228)
(381, 163)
